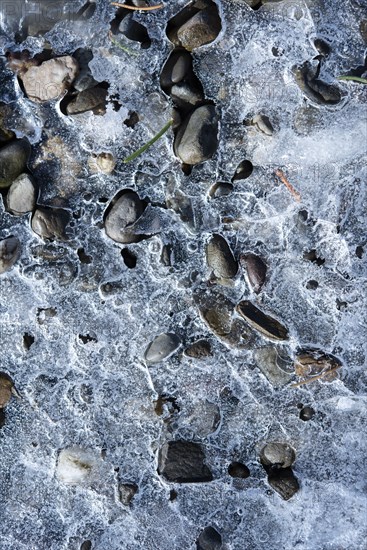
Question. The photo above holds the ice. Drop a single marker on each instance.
(94, 399)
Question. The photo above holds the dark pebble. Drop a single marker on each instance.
(50, 223)
(284, 482)
(220, 259)
(196, 139)
(199, 349)
(123, 211)
(237, 469)
(13, 160)
(256, 270)
(200, 29)
(268, 326)
(183, 462)
(306, 413)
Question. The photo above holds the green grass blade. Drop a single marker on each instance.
(149, 143)
(353, 79)
(122, 47)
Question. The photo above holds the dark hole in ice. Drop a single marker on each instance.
(359, 251)
(85, 339)
(172, 495)
(86, 545)
(28, 340)
(103, 200)
(243, 170)
(132, 119)
(83, 257)
(88, 197)
(186, 168)
(340, 305)
(312, 256)
(129, 258)
(312, 285)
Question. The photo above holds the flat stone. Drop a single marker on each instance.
(93, 99)
(266, 325)
(9, 253)
(51, 79)
(21, 197)
(183, 462)
(13, 160)
(255, 269)
(162, 347)
(197, 139)
(275, 365)
(50, 223)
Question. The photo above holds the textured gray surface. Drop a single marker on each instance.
(100, 396)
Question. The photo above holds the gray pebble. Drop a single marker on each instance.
(9, 253)
(186, 95)
(255, 269)
(220, 259)
(199, 349)
(13, 161)
(50, 223)
(93, 99)
(177, 66)
(121, 215)
(277, 454)
(183, 462)
(21, 197)
(126, 492)
(200, 29)
(162, 347)
(196, 139)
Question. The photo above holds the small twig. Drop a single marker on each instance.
(119, 45)
(144, 8)
(149, 143)
(353, 79)
(288, 185)
(317, 377)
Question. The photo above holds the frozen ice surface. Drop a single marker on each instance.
(85, 387)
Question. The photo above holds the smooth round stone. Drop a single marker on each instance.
(124, 213)
(176, 68)
(277, 454)
(162, 347)
(9, 253)
(220, 259)
(200, 29)
(197, 139)
(13, 161)
(237, 469)
(21, 197)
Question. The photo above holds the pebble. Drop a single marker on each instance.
(162, 347)
(217, 312)
(13, 160)
(50, 223)
(237, 469)
(127, 491)
(183, 462)
(9, 253)
(209, 539)
(317, 90)
(7, 389)
(200, 29)
(102, 163)
(220, 259)
(284, 482)
(2, 418)
(311, 362)
(263, 124)
(176, 68)
(199, 349)
(93, 99)
(21, 197)
(186, 96)
(51, 79)
(123, 211)
(134, 31)
(220, 190)
(306, 413)
(266, 325)
(197, 139)
(255, 269)
(280, 455)
(243, 170)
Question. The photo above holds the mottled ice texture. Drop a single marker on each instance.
(100, 396)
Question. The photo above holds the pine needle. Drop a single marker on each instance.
(288, 185)
(149, 143)
(317, 377)
(121, 46)
(137, 8)
(353, 79)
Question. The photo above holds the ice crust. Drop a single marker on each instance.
(100, 396)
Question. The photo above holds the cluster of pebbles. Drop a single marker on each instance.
(226, 292)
